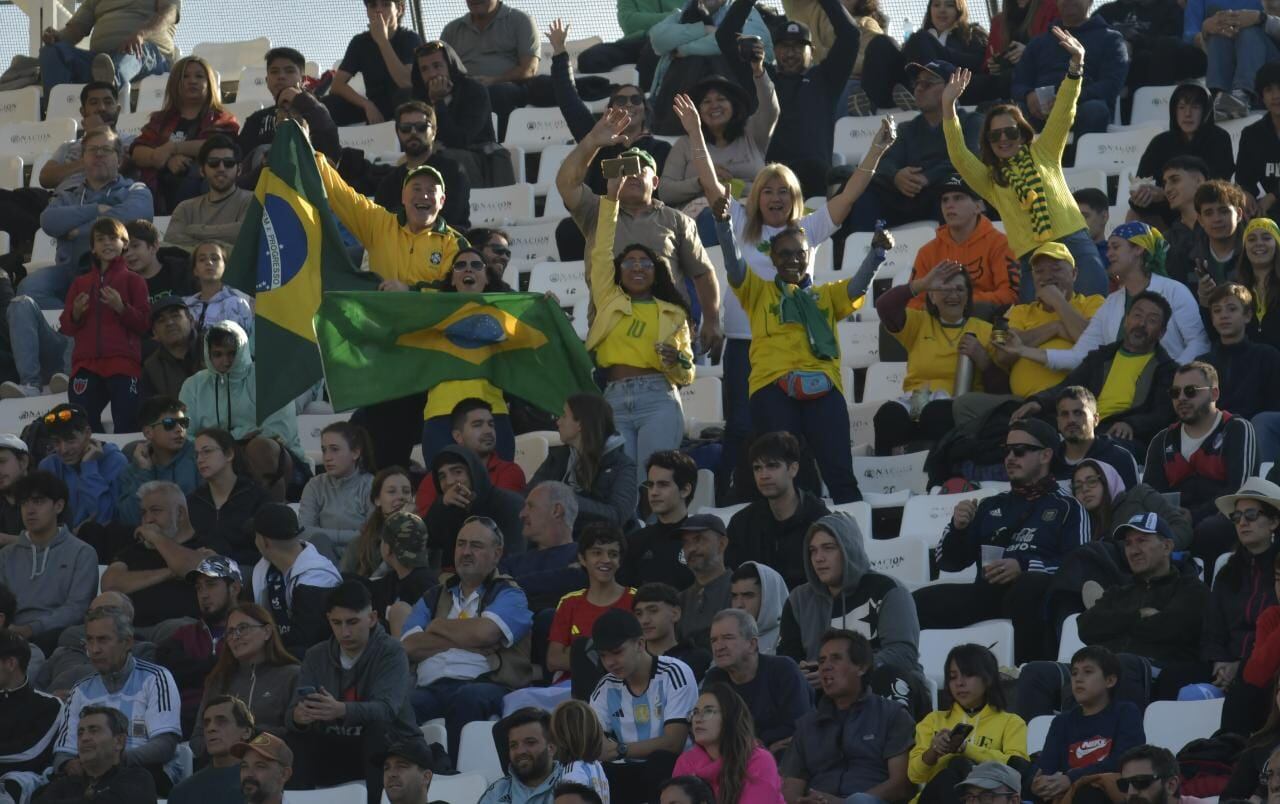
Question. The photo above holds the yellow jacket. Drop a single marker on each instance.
(1046, 152)
(394, 251)
(613, 305)
(996, 737)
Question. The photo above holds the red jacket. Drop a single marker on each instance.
(1264, 662)
(999, 38)
(503, 475)
(107, 342)
(161, 125)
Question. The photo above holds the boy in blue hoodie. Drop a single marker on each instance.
(1090, 737)
(167, 454)
(90, 468)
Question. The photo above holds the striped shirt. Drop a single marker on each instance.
(148, 699)
(629, 718)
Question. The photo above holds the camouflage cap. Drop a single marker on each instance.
(406, 536)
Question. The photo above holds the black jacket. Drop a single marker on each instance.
(120, 785)
(654, 554)
(501, 505)
(1152, 409)
(233, 522)
(465, 117)
(1258, 165)
(1105, 449)
(31, 725)
(1170, 635)
(1248, 375)
(754, 535)
(1144, 24)
(614, 493)
(457, 196)
(1244, 588)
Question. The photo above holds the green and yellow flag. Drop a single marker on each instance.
(379, 346)
(288, 254)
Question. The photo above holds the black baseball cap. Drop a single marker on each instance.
(416, 751)
(955, 184)
(1043, 433)
(166, 303)
(938, 67)
(700, 522)
(793, 32)
(613, 628)
(276, 521)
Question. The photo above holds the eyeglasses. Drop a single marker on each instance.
(100, 150)
(243, 629)
(1021, 450)
(173, 423)
(1252, 515)
(986, 797)
(627, 100)
(1010, 133)
(226, 162)
(1187, 391)
(791, 254)
(644, 264)
(420, 128)
(1137, 782)
(1088, 484)
(468, 265)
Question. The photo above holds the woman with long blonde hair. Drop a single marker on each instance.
(579, 741)
(170, 142)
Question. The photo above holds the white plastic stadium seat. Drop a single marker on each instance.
(626, 74)
(1151, 107)
(64, 101)
(531, 451)
(229, 58)
(43, 253)
(501, 205)
(342, 794)
(703, 406)
(935, 643)
(477, 753)
(1037, 731)
(151, 93)
(377, 141)
(309, 429)
(533, 243)
(892, 473)
(853, 134)
(1080, 178)
(535, 129)
(20, 105)
(548, 165)
(861, 416)
(859, 345)
(704, 494)
(884, 382)
(573, 47)
(904, 558)
(926, 515)
(32, 140)
(252, 85)
(861, 513)
(1070, 641)
(130, 125)
(16, 414)
(10, 172)
(1173, 724)
(565, 279)
(1115, 152)
(906, 242)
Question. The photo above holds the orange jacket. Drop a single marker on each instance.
(992, 267)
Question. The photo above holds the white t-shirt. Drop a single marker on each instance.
(818, 228)
(669, 698)
(1190, 444)
(589, 773)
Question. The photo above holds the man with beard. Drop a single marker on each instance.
(406, 772)
(474, 429)
(705, 540)
(191, 651)
(227, 722)
(266, 764)
(152, 569)
(1017, 539)
(1205, 454)
(495, 247)
(1149, 775)
(217, 214)
(178, 354)
(102, 772)
(416, 130)
(534, 772)
(1077, 422)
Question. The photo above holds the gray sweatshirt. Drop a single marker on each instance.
(199, 219)
(336, 507)
(54, 584)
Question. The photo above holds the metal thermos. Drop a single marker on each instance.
(964, 375)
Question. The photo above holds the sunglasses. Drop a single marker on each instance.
(1187, 391)
(1252, 515)
(1010, 133)
(501, 251)
(1137, 782)
(627, 100)
(173, 422)
(226, 162)
(468, 265)
(1021, 450)
(643, 264)
(420, 128)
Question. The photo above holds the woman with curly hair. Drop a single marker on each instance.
(725, 752)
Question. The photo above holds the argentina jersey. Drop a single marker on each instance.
(629, 718)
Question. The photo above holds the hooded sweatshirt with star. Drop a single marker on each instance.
(54, 583)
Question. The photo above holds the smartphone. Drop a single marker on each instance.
(1202, 268)
(622, 166)
(747, 46)
(960, 732)
(303, 692)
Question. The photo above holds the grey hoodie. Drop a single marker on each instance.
(54, 584)
(336, 506)
(874, 605)
(773, 596)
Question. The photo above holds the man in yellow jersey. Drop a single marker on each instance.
(1130, 378)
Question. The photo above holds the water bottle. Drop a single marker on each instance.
(907, 30)
(964, 375)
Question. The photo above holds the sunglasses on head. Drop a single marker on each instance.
(224, 161)
(420, 128)
(1187, 391)
(59, 416)
(1011, 133)
(627, 100)
(1252, 515)
(1125, 784)
(1020, 450)
(173, 422)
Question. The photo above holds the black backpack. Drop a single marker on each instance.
(1206, 764)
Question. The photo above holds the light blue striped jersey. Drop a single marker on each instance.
(669, 698)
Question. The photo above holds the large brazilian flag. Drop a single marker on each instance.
(288, 253)
(379, 346)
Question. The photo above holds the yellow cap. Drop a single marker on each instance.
(1055, 250)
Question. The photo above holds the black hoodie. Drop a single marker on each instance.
(1259, 163)
(1210, 142)
(233, 522)
(1244, 588)
(464, 118)
(502, 506)
(754, 535)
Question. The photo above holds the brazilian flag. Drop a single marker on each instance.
(379, 346)
(288, 253)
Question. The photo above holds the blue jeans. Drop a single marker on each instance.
(1233, 62)
(49, 286)
(1091, 274)
(38, 351)
(1267, 426)
(648, 416)
(437, 433)
(864, 798)
(822, 423)
(459, 702)
(62, 63)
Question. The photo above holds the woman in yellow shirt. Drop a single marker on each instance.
(977, 728)
(1020, 174)
(640, 338)
(468, 274)
(935, 338)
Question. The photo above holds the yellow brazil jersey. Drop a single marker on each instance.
(1028, 377)
(442, 398)
(1121, 383)
(778, 348)
(931, 350)
(632, 342)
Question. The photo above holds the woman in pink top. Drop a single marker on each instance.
(726, 753)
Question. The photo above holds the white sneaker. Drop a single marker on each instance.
(1230, 105)
(13, 390)
(58, 383)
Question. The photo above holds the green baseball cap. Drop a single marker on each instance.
(406, 536)
(432, 173)
(641, 154)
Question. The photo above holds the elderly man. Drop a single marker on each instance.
(153, 569)
(145, 693)
(469, 635)
(266, 764)
(102, 770)
(705, 540)
(997, 780)
(177, 356)
(550, 571)
(127, 40)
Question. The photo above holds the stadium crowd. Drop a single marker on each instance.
(204, 612)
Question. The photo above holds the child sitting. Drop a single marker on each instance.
(578, 738)
(213, 301)
(106, 314)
